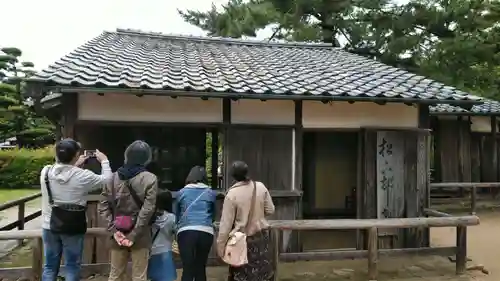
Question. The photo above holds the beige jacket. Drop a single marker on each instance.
(237, 207)
(145, 185)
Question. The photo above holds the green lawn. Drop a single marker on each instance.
(13, 194)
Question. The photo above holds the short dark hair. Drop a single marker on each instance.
(66, 150)
(239, 171)
(164, 201)
(196, 175)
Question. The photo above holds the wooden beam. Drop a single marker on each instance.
(466, 184)
(15, 203)
(435, 213)
(303, 225)
(362, 254)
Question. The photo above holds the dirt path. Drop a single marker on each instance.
(483, 245)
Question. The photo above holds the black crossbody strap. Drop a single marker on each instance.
(136, 198)
(47, 186)
(112, 201)
(156, 235)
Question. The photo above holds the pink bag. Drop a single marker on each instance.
(124, 224)
(236, 250)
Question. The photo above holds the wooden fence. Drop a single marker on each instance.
(371, 226)
(22, 219)
(471, 186)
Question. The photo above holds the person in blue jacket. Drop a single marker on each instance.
(195, 212)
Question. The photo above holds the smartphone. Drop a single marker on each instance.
(89, 153)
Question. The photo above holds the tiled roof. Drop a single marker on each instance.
(135, 59)
(489, 107)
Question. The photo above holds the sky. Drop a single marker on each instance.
(47, 30)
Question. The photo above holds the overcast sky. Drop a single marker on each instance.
(47, 30)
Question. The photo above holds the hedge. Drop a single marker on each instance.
(20, 168)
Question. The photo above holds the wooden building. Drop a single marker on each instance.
(331, 134)
(466, 143)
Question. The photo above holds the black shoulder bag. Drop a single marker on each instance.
(70, 219)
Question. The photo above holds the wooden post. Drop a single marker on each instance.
(20, 220)
(494, 148)
(37, 259)
(215, 158)
(275, 238)
(473, 200)
(461, 251)
(372, 254)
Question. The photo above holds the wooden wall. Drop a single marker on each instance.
(269, 153)
(465, 150)
(452, 152)
(394, 181)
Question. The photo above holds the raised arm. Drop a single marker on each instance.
(93, 181)
(226, 224)
(147, 210)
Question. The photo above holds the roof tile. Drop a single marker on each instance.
(134, 59)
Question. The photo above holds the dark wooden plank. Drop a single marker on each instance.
(268, 153)
(411, 186)
(475, 158)
(70, 114)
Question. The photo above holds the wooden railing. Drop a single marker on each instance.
(22, 219)
(372, 226)
(472, 186)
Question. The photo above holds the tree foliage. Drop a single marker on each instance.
(17, 117)
(453, 41)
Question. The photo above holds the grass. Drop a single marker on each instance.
(7, 195)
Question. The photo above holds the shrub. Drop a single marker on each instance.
(20, 168)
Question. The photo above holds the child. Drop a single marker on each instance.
(161, 262)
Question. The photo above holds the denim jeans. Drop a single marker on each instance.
(54, 246)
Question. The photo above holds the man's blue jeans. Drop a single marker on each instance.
(54, 246)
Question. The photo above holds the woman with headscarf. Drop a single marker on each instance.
(245, 208)
(64, 199)
(128, 204)
(195, 231)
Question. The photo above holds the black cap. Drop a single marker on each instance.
(66, 150)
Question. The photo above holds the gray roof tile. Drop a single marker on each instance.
(489, 107)
(135, 59)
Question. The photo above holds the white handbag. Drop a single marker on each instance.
(236, 250)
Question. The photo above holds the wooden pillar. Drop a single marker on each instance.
(298, 148)
(494, 148)
(423, 166)
(69, 103)
(226, 122)
(461, 256)
(215, 157)
(460, 144)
